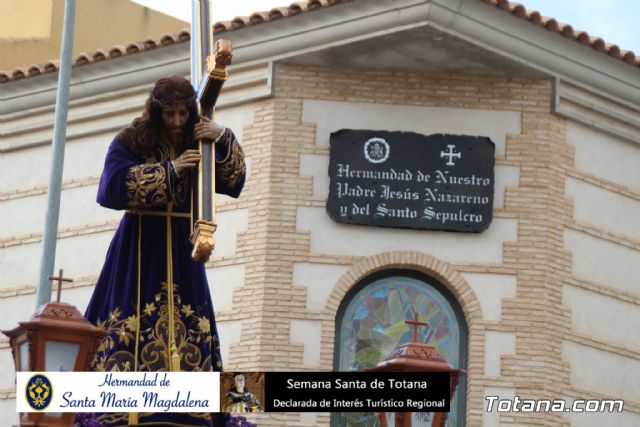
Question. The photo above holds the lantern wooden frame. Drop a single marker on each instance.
(417, 357)
(60, 322)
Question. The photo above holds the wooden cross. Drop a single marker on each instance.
(207, 81)
(60, 279)
(415, 324)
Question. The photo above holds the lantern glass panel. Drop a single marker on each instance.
(422, 419)
(60, 356)
(24, 356)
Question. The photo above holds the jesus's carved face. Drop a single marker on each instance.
(175, 118)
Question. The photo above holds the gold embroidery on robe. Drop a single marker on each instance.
(147, 185)
(181, 187)
(232, 167)
(191, 328)
(115, 418)
(180, 184)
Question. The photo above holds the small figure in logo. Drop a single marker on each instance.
(376, 150)
(238, 399)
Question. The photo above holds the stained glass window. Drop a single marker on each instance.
(371, 323)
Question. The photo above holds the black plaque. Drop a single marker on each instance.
(409, 180)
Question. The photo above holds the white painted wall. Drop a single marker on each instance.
(308, 333)
(599, 419)
(492, 419)
(330, 238)
(496, 345)
(318, 280)
(223, 281)
(603, 261)
(606, 318)
(330, 116)
(80, 256)
(229, 332)
(602, 316)
(604, 209)
(605, 156)
(603, 372)
(491, 289)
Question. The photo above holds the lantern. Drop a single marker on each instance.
(416, 357)
(57, 338)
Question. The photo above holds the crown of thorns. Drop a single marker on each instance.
(172, 101)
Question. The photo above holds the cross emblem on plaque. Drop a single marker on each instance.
(450, 154)
(415, 324)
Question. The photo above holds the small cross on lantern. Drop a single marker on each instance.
(413, 322)
(60, 279)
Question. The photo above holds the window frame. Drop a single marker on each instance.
(437, 285)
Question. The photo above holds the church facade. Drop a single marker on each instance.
(543, 304)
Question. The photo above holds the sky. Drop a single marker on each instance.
(613, 20)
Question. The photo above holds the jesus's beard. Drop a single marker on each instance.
(176, 134)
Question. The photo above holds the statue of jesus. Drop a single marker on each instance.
(151, 297)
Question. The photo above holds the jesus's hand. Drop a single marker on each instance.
(207, 129)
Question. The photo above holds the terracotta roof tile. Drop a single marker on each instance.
(614, 50)
(83, 59)
(51, 66)
(238, 22)
(166, 39)
(116, 51)
(629, 56)
(100, 55)
(297, 8)
(184, 35)
(134, 47)
(519, 10)
(315, 4)
(583, 37)
(567, 31)
(35, 69)
(220, 26)
(149, 44)
(277, 12)
(258, 17)
(534, 17)
(19, 73)
(598, 44)
(551, 24)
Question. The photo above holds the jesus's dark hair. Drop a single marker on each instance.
(147, 132)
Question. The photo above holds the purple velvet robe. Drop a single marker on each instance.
(130, 300)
